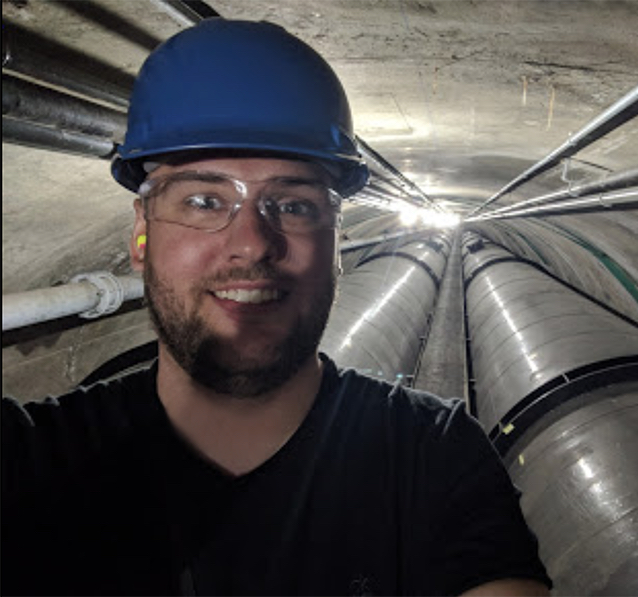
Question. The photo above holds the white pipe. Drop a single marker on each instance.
(88, 295)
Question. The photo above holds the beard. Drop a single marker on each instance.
(217, 363)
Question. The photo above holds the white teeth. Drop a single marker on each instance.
(248, 296)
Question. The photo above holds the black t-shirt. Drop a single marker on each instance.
(381, 491)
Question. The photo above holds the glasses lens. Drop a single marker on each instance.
(202, 204)
(300, 208)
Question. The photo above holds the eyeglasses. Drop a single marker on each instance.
(208, 201)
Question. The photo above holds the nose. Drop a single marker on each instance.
(250, 238)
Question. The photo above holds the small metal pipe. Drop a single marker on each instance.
(93, 295)
(620, 112)
(603, 202)
(615, 182)
(25, 100)
(31, 134)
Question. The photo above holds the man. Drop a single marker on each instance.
(243, 462)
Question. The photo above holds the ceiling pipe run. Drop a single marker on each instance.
(615, 182)
(620, 112)
(28, 54)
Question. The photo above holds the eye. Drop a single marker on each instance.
(203, 202)
(300, 208)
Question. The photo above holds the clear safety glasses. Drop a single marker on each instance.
(208, 201)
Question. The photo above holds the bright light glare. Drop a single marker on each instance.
(409, 215)
(439, 219)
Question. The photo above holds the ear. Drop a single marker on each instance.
(137, 245)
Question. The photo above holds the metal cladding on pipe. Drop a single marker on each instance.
(577, 471)
(528, 331)
(381, 313)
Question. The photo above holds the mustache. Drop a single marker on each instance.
(258, 271)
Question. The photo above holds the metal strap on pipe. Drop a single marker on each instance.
(623, 110)
(89, 296)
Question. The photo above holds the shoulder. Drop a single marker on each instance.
(112, 403)
(55, 434)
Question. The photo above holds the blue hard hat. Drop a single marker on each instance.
(239, 86)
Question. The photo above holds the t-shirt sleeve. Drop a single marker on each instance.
(481, 530)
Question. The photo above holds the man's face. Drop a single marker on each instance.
(243, 308)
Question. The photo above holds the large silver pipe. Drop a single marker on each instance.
(529, 332)
(577, 470)
(622, 180)
(620, 112)
(383, 307)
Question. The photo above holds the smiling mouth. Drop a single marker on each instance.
(254, 296)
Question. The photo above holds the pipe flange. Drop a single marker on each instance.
(109, 290)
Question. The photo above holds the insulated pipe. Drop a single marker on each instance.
(25, 100)
(36, 135)
(530, 334)
(27, 53)
(381, 315)
(620, 112)
(615, 182)
(576, 469)
(88, 295)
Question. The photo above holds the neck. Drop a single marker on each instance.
(236, 434)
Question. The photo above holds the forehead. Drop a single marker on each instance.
(249, 169)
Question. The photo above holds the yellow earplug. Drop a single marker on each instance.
(141, 241)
